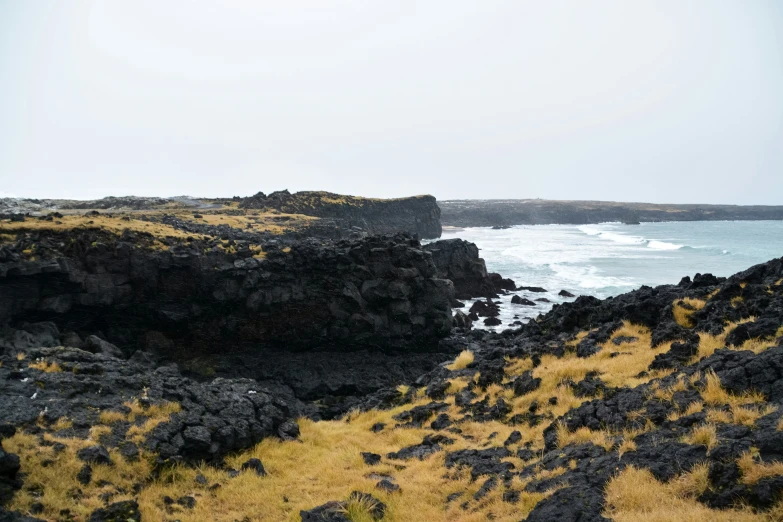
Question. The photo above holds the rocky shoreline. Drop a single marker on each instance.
(341, 380)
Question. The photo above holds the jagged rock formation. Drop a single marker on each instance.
(507, 212)
(208, 420)
(459, 261)
(379, 293)
(414, 215)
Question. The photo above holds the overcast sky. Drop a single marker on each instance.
(661, 101)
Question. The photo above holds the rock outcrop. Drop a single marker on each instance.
(198, 421)
(459, 261)
(378, 293)
(414, 215)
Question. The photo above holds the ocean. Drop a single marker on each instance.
(612, 258)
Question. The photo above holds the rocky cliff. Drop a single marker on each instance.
(414, 215)
(508, 212)
(379, 293)
(458, 260)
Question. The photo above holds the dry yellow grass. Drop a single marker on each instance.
(556, 374)
(692, 408)
(752, 470)
(327, 465)
(599, 438)
(704, 435)
(46, 366)
(110, 417)
(715, 415)
(113, 224)
(577, 338)
(684, 308)
(59, 478)
(634, 495)
(117, 222)
(714, 394)
(256, 221)
(63, 423)
(462, 361)
(708, 343)
(747, 416)
(667, 394)
(163, 409)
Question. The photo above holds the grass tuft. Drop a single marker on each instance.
(704, 435)
(753, 470)
(714, 394)
(45, 366)
(634, 495)
(684, 308)
(463, 360)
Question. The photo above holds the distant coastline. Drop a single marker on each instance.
(509, 212)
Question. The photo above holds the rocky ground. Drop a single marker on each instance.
(299, 215)
(659, 404)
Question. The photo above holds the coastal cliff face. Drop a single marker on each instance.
(491, 213)
(379, 293)
(414, 215)
(458, 261)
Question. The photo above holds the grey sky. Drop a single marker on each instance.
(662, 101)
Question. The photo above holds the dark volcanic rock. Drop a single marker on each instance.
(336, 511)
(525, 383)
(125, 511)
(522, 301)
(217, 417)
(379, 293)
(94, 455)
(9, 483)
(431, 444)
(415, 215)
(255, 465)
(459, 261)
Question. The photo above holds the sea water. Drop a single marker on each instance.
(612, 258)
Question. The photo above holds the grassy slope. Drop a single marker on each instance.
(326, 464)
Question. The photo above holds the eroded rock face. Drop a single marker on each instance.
(380, 293)
(415, 215)
(459, 261)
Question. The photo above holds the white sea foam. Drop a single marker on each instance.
(663, 245)
(610, 258)
(589, 277)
